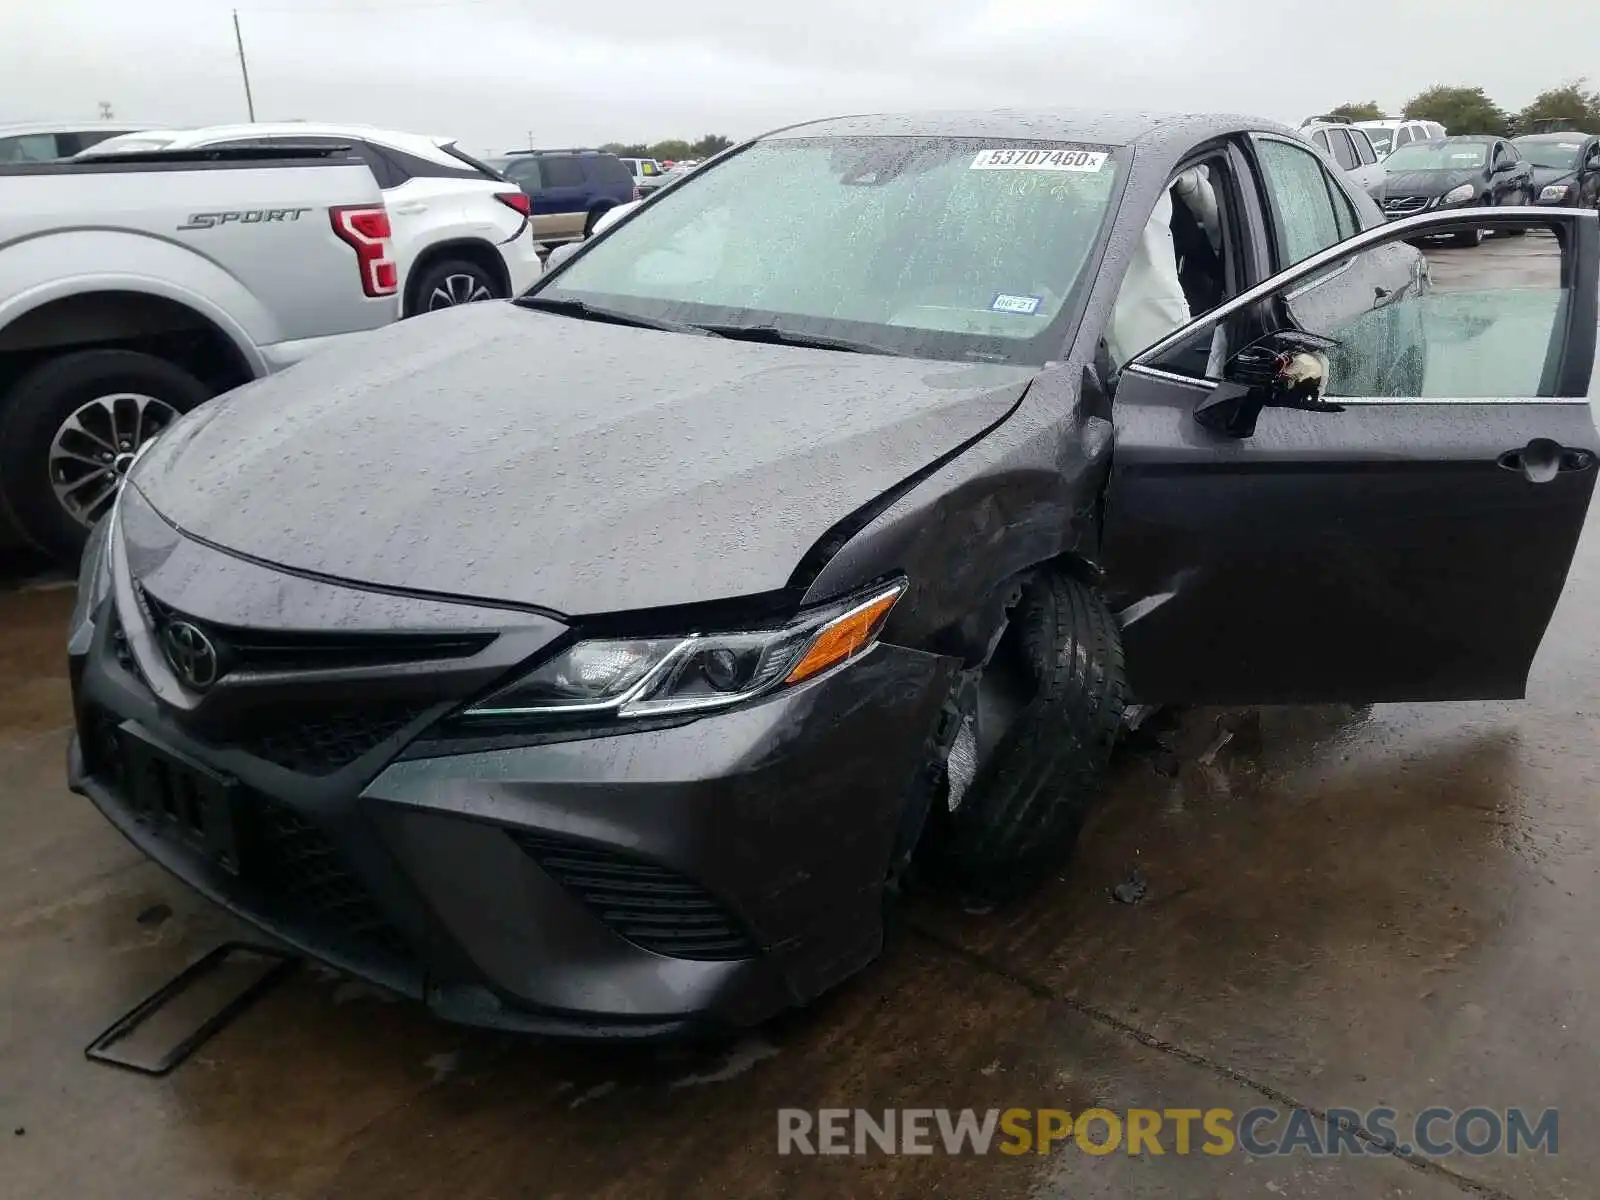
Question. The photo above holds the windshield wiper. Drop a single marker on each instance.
(583, 310)
(783, 337)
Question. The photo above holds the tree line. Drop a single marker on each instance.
(671, 150)
(1572, 106)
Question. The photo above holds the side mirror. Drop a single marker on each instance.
(1287, 369)
(1504, 165)
(561, 253)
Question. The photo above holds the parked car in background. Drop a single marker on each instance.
(647, 173)
(52, 141)
(133, 289)
(1387, 136)
(461, 232)
(1464, 171)
(1566, 167)
(1348, 146)
(568, 190)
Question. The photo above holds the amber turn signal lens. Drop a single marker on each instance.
(846, 635)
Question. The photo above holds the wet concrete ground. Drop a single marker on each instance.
(1343, 908)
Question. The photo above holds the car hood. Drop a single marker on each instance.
(504, 454)
(1427, 183)
(1545, 176)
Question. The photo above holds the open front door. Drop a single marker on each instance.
(1364, 479)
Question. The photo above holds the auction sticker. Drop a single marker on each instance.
(1023, 305)
(1023, 159)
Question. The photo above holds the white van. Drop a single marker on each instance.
(1389, 136)
(1350, 148)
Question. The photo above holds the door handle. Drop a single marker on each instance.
(410, 207)
(1541, 460)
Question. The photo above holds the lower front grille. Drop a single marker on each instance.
(297, 863)
(1404, 206)
(287, 866)
(654, 908)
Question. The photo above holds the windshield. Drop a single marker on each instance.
(1380, 138)
(1438, 156)
(1562, 155)
(926, 247)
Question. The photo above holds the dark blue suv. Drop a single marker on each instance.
(568, 189)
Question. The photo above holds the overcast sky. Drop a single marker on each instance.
(493, 72)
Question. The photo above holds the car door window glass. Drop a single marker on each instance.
(1344, 212)
(1303, 214)
(561, 171)
(1399, 329)
(1363, 148)
(1320, 137)
(1343, 154)
(28, 147)
(524, 172)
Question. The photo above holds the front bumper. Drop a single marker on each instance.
(642, 884)
(1410, 206)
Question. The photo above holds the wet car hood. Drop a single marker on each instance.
(1428, 183)
(504, 454)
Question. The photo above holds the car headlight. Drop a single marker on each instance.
(1556, 191)
(641, 677)
(1457, 194)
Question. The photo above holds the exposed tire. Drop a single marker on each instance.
(68, 430)
(1020, 817)
(1469, 240)
(450, 283)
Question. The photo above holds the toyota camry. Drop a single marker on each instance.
(601, 662)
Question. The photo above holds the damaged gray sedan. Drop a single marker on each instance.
(597, 663)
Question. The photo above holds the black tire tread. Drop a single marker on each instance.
(1023, 812)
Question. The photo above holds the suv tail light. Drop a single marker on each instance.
(515, 200)
(366, 231)
(637, 193)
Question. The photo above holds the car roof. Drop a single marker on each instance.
(423, 145)
(1572, 135)
(1110, 127)
(23, 128)
(1470, 137)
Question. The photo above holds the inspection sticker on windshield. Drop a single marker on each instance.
(1022, 305)
(1038, 160)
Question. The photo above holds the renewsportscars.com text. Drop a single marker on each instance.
(1260, 1132)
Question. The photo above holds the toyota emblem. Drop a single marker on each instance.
(191, 654)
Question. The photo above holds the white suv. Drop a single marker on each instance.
(1348, 146)
(1389, 136)
(461, 231)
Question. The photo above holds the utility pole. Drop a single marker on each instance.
(105, 110)
(244, 67)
